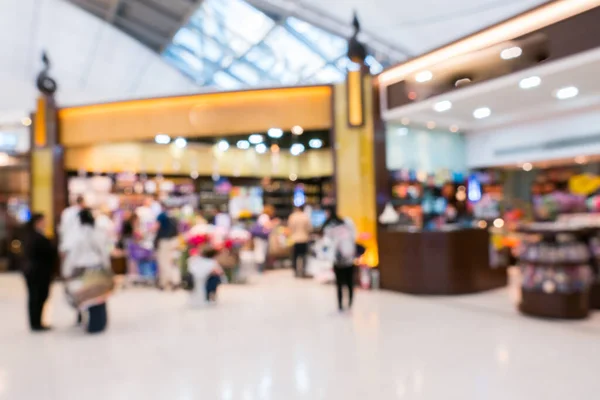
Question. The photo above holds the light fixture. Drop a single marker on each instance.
(566, 93)
(531, 82)
(482, 112)
(297, 149)
(498, 222)
(482, 224)
(194, 175)
(275, 133)
(223, 145)
(423, 76)
(293, 177)
(580, 160)
(243, 144)
(405, 121)
(511, 52)
(442, 106)
(161, 138)
(430, 125)
(297, 130)
(315, 143)
(180, 142)
(256, 138)
(454, 128)
(26, 121)
(275, 148)
(527, 167)
(261, 148)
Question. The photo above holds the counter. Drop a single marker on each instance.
(437, 262)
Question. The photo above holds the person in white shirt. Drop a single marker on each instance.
(300, 228)
(69, 220)
(207, 275)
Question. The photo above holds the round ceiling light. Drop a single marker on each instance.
(443, 106)
(26, 121)
(261, 148)
(297, 149)
(527, 167)
(161, 138)
(566, 93)
(275, 133)
(431, 125)
(531, 82)
(297, 130)
(223, 145)
(180, 142)
(511, 52)
(256, 138)
(454, 128)
(243, 145)
(482, 113)
(315, 143)
(424, 76)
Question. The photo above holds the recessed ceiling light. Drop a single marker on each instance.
(180, 142)
(261, 148)
(161, 138)
(566, 93)
(580, 159)
(482, 112)
(527, 167)
(293, 177)
(223, 145)
(531, 82)
(431, 125)
(511, 52)
(297, 130)
(315, 143)
(275, 133)
(26, 121)
(194, 175)
(256, 138)
(243, 144)
(443, 106)
(454, 128)
(297, 149)
(423, 76)
(405, 121)
(275, 148)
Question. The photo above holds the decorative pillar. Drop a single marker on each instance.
(353, 146)
(48, 180)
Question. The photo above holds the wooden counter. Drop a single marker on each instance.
(437, 263)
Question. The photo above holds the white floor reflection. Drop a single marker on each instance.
(282, 339)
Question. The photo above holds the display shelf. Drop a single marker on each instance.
(556, 306)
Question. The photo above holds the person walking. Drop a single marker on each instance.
(41, 257)
(86, 271)
(342, 234)
(300, 229)
(166, 244)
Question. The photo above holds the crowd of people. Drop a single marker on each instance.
(86, 239)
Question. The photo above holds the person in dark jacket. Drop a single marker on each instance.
(40, 259)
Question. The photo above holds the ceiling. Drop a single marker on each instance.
(509, 104)
(91, 60)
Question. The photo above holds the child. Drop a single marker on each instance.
(207, 274)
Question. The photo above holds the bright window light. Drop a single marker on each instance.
(315, 143)
(531, 82)
(243, 144)
(255, 139)
(180, 142)
(511, 52)
(297, 149)
(275, 133)
(223, 145)
(482, 112)
(442, 106)
(261, 148)
(424, 76)
(161, 138)
(566, 93)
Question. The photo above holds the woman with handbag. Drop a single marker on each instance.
(86, 268)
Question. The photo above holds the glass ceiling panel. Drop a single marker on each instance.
(230, 44)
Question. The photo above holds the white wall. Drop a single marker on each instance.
(481, 146)
(92, 61)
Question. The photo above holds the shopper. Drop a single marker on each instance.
(300, 229)
(342, 234)
(260, 233)
(169, 274)
(69, 219)
(40, 259)
(87, 271)
(207, 275)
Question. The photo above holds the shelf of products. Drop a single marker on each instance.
(556, 272)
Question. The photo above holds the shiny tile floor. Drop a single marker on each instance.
(281, 339)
